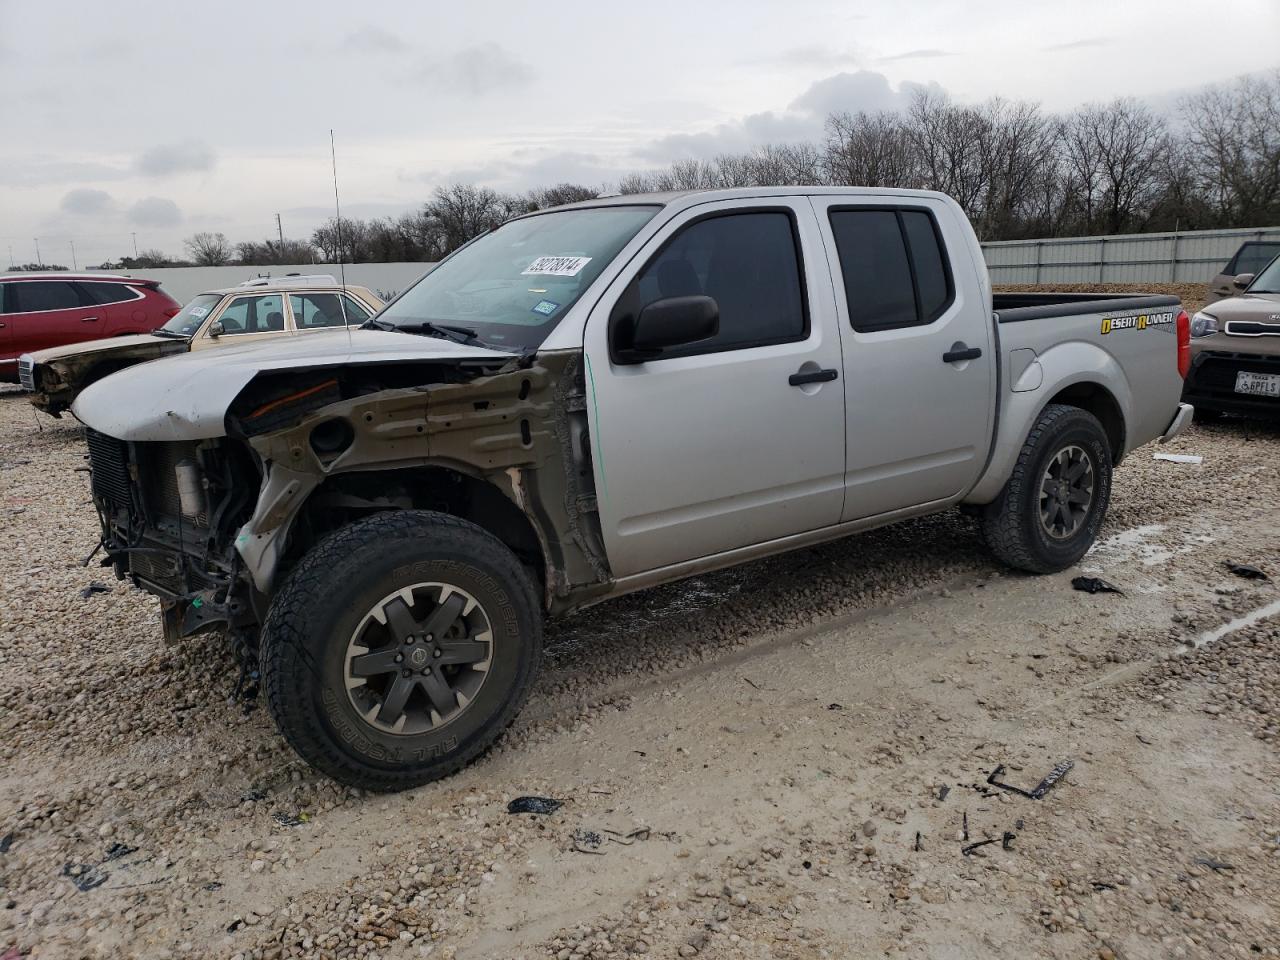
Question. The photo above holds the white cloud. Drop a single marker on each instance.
(167, 159)
(478, 70)
(87, 202)
(371, 39)
(155, 212)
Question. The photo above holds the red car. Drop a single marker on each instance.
(39, 310)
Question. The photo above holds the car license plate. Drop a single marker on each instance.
(1259, 384)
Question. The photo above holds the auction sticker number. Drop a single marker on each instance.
(556, 266)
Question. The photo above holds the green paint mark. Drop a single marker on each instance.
(197, 603)
(598, 449)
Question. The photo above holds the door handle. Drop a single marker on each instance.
(88, 319)
(812, 376)
(967, 353)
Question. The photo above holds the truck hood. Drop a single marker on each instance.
(135, 345)
(186, 397)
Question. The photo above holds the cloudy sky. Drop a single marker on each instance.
(162, 119)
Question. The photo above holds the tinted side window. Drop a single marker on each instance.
(877, 275)
(929, 263)
(1252, 257)
(894, 267)
(748, 263)
(107, 292)
(35, 295)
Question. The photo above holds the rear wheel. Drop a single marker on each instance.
(400, 648)
(1049, 513)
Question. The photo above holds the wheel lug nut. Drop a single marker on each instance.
(406, 673)
(399, 657)
(436, 653)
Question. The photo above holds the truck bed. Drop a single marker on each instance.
(1015, 307)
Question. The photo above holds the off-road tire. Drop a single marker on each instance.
(312, 618)
(1011, 524)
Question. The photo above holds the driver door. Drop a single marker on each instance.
(737, 439)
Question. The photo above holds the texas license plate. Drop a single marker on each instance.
(1258, 384)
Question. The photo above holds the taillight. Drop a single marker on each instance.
(1184, 344)
(171, 312)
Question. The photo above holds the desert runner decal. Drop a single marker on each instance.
(1139, 321)
(556, 266)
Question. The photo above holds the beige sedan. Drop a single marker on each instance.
(254, 311)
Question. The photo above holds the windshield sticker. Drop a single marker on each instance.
(546, 307)
(1140, 322)
(198, 312)
(556, 266)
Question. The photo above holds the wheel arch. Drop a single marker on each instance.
(445, 487)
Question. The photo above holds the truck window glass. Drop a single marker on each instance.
(31, 296)
(749, 264)
(877, 276)
(933, 277)
(512, 285)
(1252, 257)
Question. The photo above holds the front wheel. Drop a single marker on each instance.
(1049, 513)
(400, 648)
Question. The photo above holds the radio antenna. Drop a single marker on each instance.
(337, 209)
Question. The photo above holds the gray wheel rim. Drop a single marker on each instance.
(418, 658)
(1066, 492)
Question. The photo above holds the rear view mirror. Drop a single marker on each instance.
(1242, 280)
(216, 329)
(673, 322)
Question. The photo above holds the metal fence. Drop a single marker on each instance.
(1188, 257)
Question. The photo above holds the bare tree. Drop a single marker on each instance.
(1114, 150)
(465, 211)
(1234, 135)
(559, 194)
(870, 150)
(208, 249)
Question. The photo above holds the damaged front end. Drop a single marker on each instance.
(211, 526)
(168, 512)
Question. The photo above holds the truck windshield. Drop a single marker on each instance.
(511, 286)
(1268, 281)
(187, 321)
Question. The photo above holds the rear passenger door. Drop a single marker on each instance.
(730, 441)
(919, 365)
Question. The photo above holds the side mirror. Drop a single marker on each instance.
(1241, 280)
(216, 329)
(672, 322)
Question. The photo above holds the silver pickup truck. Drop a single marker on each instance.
(592, 400)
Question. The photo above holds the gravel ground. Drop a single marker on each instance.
(780, 735)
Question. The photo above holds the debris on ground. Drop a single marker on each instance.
(1178, 457)
(6, 842)
(917, 848)
(534, 805)
(1043, 787)
(588, 841)
(252, 796)
(118, 850)
(1247, 570)
(1095, 585)
(943, 791)
(85, 876)
(93, 588)
(287, 820)
(1005, 840)
(1214, 864)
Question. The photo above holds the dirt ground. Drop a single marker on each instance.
(777, 761)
